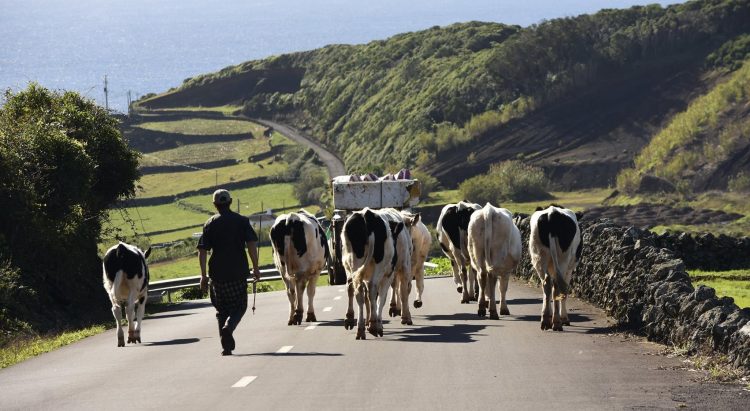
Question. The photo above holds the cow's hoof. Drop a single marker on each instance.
(298, 317)
(311, 317)
(121, 342)
(131, 340)
(473, 299)
(372, 331)
(138, 340)
(417, 303)
(566, 322)
(465, 301)
(460, 289)
(291, 322)
(361, 335)
(406, 321)
(394, 311)
(504, 311)
(481, 312)
(557, 327)
(493, 315)
(349, 323)
(380, 332)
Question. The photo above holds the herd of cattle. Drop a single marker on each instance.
(386, 249)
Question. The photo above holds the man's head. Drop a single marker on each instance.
(222, 199)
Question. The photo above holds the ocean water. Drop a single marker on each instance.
(145, 46)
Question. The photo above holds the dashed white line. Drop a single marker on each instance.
(342, 289)
(285, 349)
(338, 297)
(311, 326)
(244, 381)
(325, 310)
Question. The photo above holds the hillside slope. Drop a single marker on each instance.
(412, 98)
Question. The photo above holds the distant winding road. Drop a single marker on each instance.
(333, 163)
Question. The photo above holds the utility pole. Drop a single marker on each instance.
(106, 94)
(130, 101)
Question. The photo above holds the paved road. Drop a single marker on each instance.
(449, 359)
(333, 163)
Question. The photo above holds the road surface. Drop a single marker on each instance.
(449, 359)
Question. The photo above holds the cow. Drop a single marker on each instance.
(125, 277)
(555, 246)
(495, 249)
(452, 227)
(421, 241)
(368, 259)
(300, 252)
(402, 270)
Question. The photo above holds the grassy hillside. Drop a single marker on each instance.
(706, 146)
(434, 97)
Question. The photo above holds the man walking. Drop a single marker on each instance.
(226, 235)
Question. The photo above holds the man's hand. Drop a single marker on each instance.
(204, 283)
(256, 274)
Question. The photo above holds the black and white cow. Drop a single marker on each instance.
(300, 252)
(368, 257)
(555, 245)
(402, 270)
(125, 276)
(495, 249)
(421, 241)
(452, 228)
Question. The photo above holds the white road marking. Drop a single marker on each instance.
(325, 310)
(342, 289)
(285, 349)
(244, 381)
(311, 326)
(338, 297)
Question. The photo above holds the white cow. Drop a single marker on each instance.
(300, 252)
(555, 245)
(125, 276)
(452, 228)
(368, 259)
(421, 241)
(495, 249)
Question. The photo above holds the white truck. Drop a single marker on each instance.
(351, 196)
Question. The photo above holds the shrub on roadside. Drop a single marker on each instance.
(507, 181)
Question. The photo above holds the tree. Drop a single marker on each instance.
(63, 162)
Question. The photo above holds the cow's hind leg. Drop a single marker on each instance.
(482, 310)
(130, 314)
(465, 298)
(394, 309)
(419, 277)
(350, 322)
(360, 295)
(117, 313)
(300, 282)
(491, 281)
(503, 285)
(556, 320)
(404, 299)
(564, 311)
(139, 316)
(312, 282)
(291, 294)
(546, 302)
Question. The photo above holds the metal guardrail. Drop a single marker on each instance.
(165, 287)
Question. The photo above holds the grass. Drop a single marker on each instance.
(205, 152)
(443, 267)
(733, 283)
(188, 266)
(225, 109)
(162, 184)
(25, 349)
(201, 126)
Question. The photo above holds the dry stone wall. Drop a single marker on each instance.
(639, 279)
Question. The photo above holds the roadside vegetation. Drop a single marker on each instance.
(732, 283)
(505, 182)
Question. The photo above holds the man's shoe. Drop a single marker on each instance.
(227, 340)
(226, 352)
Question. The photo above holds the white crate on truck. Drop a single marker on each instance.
(356, 195)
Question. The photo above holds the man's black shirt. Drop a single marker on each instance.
(226, 234)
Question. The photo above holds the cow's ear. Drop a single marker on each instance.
(539, 208)
(121, 249)
(148, 253)
(579, 215)
(417, 216)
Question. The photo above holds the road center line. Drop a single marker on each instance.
(285, 349)
(244, 381)
(325, 310)
(341, 290)
(338, 297)
(311, 326)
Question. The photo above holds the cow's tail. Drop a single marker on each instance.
(487, 240)
(558, 281)
(359, 272)
(115, 291)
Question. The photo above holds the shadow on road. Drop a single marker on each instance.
(179, 341)
(160, 316)
(520, 301)
(457, 333)
(574, 318)
(291, 354)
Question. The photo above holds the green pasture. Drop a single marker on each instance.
(733, 283)
(162, 184)
(575, 200)
(205, 152)
(225, 109)
(202, 126)
(188, 266)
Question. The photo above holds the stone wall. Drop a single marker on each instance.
(643, 285)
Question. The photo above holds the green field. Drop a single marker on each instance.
(188, 266)
(733, 283)
(200, 126)
(204, 152)
(575, 200)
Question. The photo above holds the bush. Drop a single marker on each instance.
(507, 181)
(428, 183)
(740, 182)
